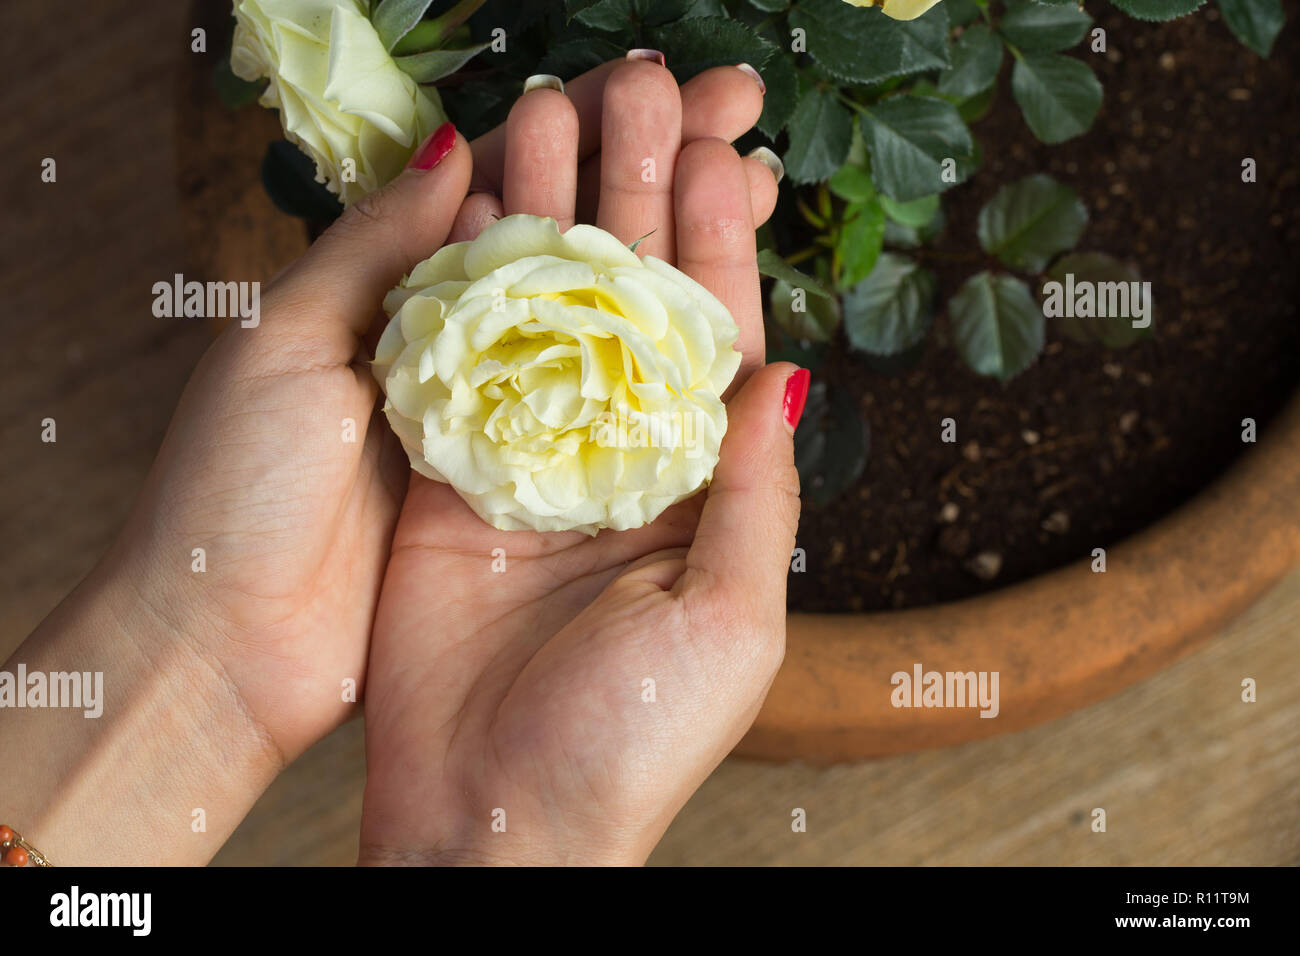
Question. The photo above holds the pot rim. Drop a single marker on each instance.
(1059, 641)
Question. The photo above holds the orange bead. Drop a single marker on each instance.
(16, 856)
(6, 835)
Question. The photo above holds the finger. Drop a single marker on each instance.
(742, 548)
(477, 212)
(764, 171)
(715, 238)
(585, 92)
(337, 287)
(641, 133)
(724, 102)
(541, 171)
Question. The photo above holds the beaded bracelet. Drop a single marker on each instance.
(18, 852)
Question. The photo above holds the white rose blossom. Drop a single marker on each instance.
(557, 381)
(340, 94)
(897, 9)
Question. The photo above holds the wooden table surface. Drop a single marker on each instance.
(1186, 771)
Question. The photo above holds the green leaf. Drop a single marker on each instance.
(815, 319)
(1111, 291)
(1059, 95)
(997, 325)
(976, 58)
(434, 65)
(890, 310)
(862, 45)
(1157, 9)
(961, 12)
(831, 444)
(782, 94)
(917, 213)
(1034, 28)
(909, 138)
(770, 6)
(900, 236)
(569, 58)
(1031, 221)
(233, 91)
(772, 265)
(694, 45)
(852, 183)
(860, 239)
(394, 19)
(1255, 23)
(975, 108)
(821, 132)
(289, 177)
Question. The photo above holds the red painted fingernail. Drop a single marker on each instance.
(434, 149)
(753, 74)
(796, 394)
(654, 56)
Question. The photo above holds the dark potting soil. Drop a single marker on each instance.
(1089, 445)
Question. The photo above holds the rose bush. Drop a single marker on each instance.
(340, 94)
(557, 381)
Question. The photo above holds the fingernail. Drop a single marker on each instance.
(796, 394)
(770, 160)
(543, 81)
(653, 55)
(752, 73)
(434, 149)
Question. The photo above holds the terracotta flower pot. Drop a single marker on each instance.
(1058, 642)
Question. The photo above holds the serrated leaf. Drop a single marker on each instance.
(860, 239)
(821, 132)
(569, 58)
(394, 19)
(997, 325)
(1255, 23)
(772, 265)
(892, 309)
(976, 59)
(852, 183)
(807, 318)
(1031, 221)
(917, 213)
(700, 43)
(782, 94)
(1157, 9)
(435, 64)
(1059, 95)
(909, 138)
(1110, 288)
(831, 444)
(862, 45)
(1034, 28)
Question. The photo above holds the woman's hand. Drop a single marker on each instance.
(231, 618)
(564, 707)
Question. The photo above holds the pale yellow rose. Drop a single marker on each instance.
(898, 9)
(557, 381)
(340, 95)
